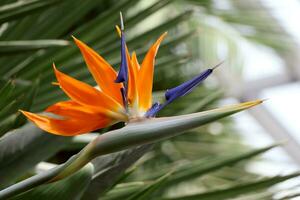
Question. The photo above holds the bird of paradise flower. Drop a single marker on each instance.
(124, 96)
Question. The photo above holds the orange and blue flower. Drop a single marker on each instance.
(122, 96)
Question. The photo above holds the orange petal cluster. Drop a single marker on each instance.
(89, 108)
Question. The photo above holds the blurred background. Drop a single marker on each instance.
(258, 41)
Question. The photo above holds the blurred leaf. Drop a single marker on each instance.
(110, 168)
(289, 197)
(27, 102)
(147, 192)
(22, 8)
(13, 98)
(13, 47)
(10, 108)
(197, 169)
(5, 93)
(67, 189)
(7, 124)
(124, 190)
(199, 105)
(23, 148)
(237, 190)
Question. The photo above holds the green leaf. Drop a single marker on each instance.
(5, 93)
(124, 190)
(23, 148)
(10, 108)
(290, 196)
(148, 191)
(237, 190)
(110, 168)
(27, 102)
(14, 96)
(7, 124)
(22, 8)
(197, 169)
(201, 167)
(199, 105)
(132, 135)
(21, 46)
(69, 188)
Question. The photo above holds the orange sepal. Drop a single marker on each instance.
(145, 80)
(132, 84)
(85, 94)
(68, 126)
(72, 109)
(101, 70)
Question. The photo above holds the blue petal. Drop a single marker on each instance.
(123, 72)
(153, 110)
(186, 87)
(180, 91)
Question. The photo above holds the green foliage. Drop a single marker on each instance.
(24, 148)
(148, 191)
(70, 188)
(20, 9)
(13, 47)
(237, 190)
(12, 99)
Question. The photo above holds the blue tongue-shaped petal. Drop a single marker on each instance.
(123, 72)
(180, 91)
(186, 87)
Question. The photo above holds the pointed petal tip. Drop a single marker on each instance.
(78, 42)
(21, 111)
(121, 21)
(163, 36)
(250, 104)
(30, 116)
(56, 71)
(81, 45)
(218, 65)
(27, 114)
(54, 66)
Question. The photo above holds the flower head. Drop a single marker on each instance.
(122, 96)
